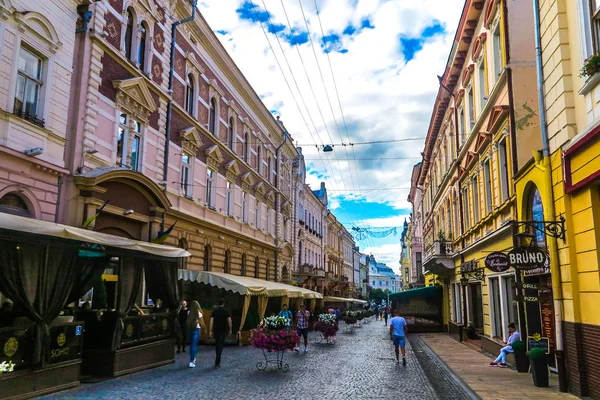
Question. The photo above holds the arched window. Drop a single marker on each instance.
(12, 203)
(207, 258)
(256, 268)
(227, 262)
(231, 133)
(536, 213)
(243, 266)
(189, 94)
(212, 117)
(246, 147)
(141, 55)
(129, 34)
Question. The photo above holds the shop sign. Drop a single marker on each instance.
(527, 257)
(497, 262)
(538, 342)
(542, 298)
(532, 286)
(469, 266)
(65, 343)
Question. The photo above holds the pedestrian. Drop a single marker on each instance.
(182, 314)
(385, 314)
(338, 314)
(286, 314)
(398, 336)
(376, 313)
(194, 324)
(302, 317)
(220, 328)
(500, 361)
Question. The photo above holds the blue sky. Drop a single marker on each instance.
(380, 58)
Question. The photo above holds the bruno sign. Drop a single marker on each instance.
(527, 257)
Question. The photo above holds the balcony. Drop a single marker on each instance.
(329, 275)
(320, 273)
(306, 269)
(438, 257)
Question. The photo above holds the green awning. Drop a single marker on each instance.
(423, 292)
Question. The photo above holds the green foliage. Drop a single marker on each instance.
(590, 66)
(518, 346)
(537, 354)
(377, 295)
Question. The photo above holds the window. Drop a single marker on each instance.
(136, 146)
(29, 87)
(129, 145)
(258, 158)
(269, 172)
(246, 150)
(129, 34)
(268, 220)
(186, 175)
(231, 133)
(487, 177)
(466, 216)
(419, 262)
(257, 215)
(496, 307)
(457, 303)
(212, 117)
(471, 109)
(461, 126)
(206, 263)
(244, 207)
(210, 176)
(482, 85)
(243, 266)
(475, 183)
(229, 198)
(497, 49)
(227, 262)
(511, 304)
(189, 95)
(536, 210)
(141, 54)
(256, 268)
(503, 160)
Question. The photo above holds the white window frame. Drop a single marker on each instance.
(476, 203)
(505, 318)
(130, 125)
(37, 81)
(229, 199)
(461, 125)
(457, 302)
(487, 177)
(470, 108)
(497, 51)
(257, 215)
(482, 79)
(504, 175)
(210, 187)
(244, 206)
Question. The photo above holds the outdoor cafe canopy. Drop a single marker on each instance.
(31, 226)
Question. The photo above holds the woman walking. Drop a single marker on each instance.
(194, 323)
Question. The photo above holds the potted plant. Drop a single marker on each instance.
(327, 326)
(591, 65)
(471, 332)
(6, 367)
(441, 236)
(539, 367)
(520, 353)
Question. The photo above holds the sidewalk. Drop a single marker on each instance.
(489, 382)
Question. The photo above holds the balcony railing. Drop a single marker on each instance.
(320, 273)
(29, 117)
(438, 257)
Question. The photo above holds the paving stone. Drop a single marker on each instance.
(361, 365)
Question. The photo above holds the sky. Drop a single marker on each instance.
(347, 71)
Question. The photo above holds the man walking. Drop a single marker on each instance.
(286, 314)
(302, 326)
(220, 328)
(182, 314)
(398, 336)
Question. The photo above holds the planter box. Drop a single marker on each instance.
(521, 361)
(245, 338)
(539, 373)
(105, 363)
(34, 383)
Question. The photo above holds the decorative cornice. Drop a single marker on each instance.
(133, 97)
(190, 139)
(478, 45)
(213, 157)
(232, 170)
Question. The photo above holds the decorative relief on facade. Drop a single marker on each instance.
(270, 199)
(232, 171)
(6, 9)
(134, 97)
(213, 157)
(190, 139)
(247, 182)
(193, 64)
(38, 23)
(159, 41)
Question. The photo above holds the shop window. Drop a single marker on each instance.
(512, 307)
(186, 175)
(29, 85)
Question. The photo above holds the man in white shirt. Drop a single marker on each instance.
(514, 335)
(398, 336)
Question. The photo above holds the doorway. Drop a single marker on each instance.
(476, 306)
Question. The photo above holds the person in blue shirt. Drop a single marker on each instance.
(398, 336)
(286, 314)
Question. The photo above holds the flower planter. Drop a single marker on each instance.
(539, 373)
(521, 361)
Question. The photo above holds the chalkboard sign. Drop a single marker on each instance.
(542, 343)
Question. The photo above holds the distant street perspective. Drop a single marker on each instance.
(304, 199)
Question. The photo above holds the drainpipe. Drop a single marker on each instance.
(277, 197)
(171, 73)
(552, 242)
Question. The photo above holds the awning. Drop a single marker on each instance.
(361, 302)
(15, 223)
(307, 293)
(423, 292)
(243, 285)
(331, 299)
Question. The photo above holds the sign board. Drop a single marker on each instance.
(537, 342)
(497, 262)
(534, 299)
(65, 343)
(469, 266)
(526, 258)
(532, 286)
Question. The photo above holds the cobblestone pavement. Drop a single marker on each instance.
(361, 365)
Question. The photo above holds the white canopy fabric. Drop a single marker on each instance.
(361, 302)
(246, 285)
(332, 299)
(34, 226)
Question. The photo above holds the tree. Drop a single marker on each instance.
(377, 295)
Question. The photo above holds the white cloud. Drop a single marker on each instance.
(383, 98)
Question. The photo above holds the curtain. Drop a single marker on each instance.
(312, 305)
(262, 306)
(284, 300)
(38, 278)
(89, 270)
(161, 282)
(245, 308)
(130, 280)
